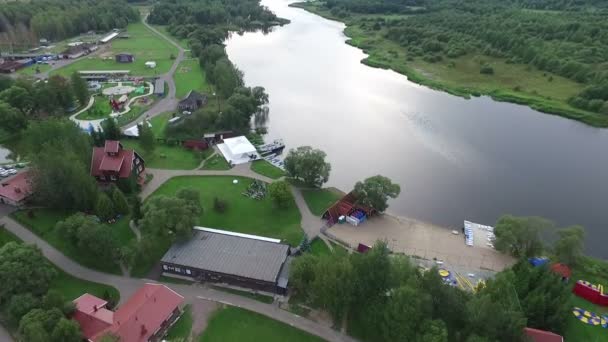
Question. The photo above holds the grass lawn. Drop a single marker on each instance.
(243, 214)
(31, 70)
(43, 224)
(190, 76)
(255, 296)
(100, 109)
(167, 156)
(163, 29)
(235, 324)
(70, 287)
(180, 331)
(318, 247)
(318, 200)
(159, 123)
(264, 168)
(217, 162)
(575, 329)
(144, 44)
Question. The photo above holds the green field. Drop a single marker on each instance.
(180, 331)
(216, 162)
(516, 83)
(99, 110)
(575, 329)
(144, 44)
(243, 214)
(31, 70)
(264, 168)
(159, 123)
(43, 224)
(171, 157)
(318, 200)
(190, 76)
(163, 29)
(70, 287)
(237, 325)
(318, 247)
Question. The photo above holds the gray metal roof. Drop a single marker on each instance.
(240, 256)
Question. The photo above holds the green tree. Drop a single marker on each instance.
(66, 330)
(280, 194)
(170, 216)
(10, 119)
(104, 207)
(309, 165)
(136, 212)
(47, 136)
(226, 77)
(53, 299)
(375, 191)
(111, 131)
(23, 269)
(302, 274)
(331, 288)
(192, 196)
(96, 241)
(18, 98)
(68, 228)
(404, 314)
(520, 236)
(569, 247)
(433, 331)
(121, 206)
(19, 305)
(147, 141)
(80, 88)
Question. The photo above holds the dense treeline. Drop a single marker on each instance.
(23, 23)
(566, 38)
(383, 297)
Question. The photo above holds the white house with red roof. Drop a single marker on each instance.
(113, 162)
(537, 335)
(146, 316)
(17, 189)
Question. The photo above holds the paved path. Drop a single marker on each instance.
(4, 335)
(169, 102)
(192, 293)
(311, 224)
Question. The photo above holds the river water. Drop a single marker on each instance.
(455, 159)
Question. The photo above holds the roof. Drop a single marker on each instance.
(537, 335)
(135, 321)
(92, 315)
(121, 162)
(239, 145)
(244, 256)
(105, 72)
(109, 37)
(192, 97)
(111, 146)
(124, 54)
(17, 188)
(562, 270)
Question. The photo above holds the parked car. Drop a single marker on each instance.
(12, 171)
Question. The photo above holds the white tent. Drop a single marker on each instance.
(150, 64)
(133, 131)
(238, 150)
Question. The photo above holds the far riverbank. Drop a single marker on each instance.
(386, 55)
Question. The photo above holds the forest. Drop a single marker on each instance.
(558, 37)
(22, 24)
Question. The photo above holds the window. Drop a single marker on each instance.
(113, 177)
(177, 269)
(188, 271)
(165, 267)
(103, 178)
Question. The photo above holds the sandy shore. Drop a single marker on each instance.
(421, 239)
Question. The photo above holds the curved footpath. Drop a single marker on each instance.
(127, 285)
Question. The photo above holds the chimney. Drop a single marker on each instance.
(17, 190)
(94, 308)
(143, 330)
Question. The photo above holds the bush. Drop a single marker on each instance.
(486, 70)
(219, 205)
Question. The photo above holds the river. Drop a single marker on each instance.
(454, 158)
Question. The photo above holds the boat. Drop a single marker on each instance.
(276, 147)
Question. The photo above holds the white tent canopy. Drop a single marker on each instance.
(238, 150)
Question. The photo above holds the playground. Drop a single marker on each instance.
(116, 99)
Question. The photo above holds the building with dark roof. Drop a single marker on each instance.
(112, 163)
(146, 316)
(192, 102)
(227, 257)
(77, 51)
(159, 87)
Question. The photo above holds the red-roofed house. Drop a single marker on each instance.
(535, 335)
(16, 190)
(563, 270)
(112, 162)
(146, 316)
